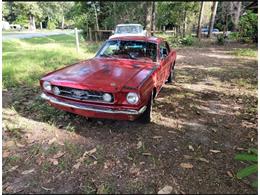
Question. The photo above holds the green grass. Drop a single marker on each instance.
(25, 61)
(248, 52)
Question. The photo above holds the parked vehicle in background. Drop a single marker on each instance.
(15, 27)
(206, 30)
(129, 30)
(120, 82)
(5, 25)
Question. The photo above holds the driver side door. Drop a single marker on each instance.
(165, 64)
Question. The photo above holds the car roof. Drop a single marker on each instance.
(139, 38)
(129, 25)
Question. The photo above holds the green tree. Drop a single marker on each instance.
(29, 10)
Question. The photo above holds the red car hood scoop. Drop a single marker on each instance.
(102, 74)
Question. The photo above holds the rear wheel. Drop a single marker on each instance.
(171, 75)
(147, 115)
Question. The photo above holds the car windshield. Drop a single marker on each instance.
(129, 49)
(128, 29)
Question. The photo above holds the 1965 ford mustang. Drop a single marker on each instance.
(120, 82)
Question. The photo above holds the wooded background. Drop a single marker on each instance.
(182, 17)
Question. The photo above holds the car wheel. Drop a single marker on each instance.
(171, 76)
(147, 115)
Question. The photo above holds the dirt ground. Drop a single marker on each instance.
(200, 122)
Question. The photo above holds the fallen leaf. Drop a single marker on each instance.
(147, 154)
(90, 152)
(139, 145)
(13, 168)
(240, 149)
(47, 189)
(166, 190)
(27, 171)
(54, 161)
(187, 157)
(59, 154)
(157, 137)
(229, 174)
(20, 145)
(6, 154)
(186, 165)
(191, 148)
(77, 165)
(215, 151)
(52, 141)
(203, 160)
(171, 132)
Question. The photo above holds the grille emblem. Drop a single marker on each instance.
(78, 93)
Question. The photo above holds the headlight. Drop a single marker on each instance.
(56, 90)
(107, 97)
(132, 98)
(47, 85)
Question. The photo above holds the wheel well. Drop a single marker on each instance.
(154, 92)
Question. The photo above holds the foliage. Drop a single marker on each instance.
(246, 52)
(51, 25)
(174, 14)
(22, 20)
(252, 158)
(248, 27)
(221, 39)
(234, 36)
(188, 40)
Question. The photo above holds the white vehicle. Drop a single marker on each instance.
(5, 25)
(128, 30)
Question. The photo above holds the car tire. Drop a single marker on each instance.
(172, 74)
(146, 117)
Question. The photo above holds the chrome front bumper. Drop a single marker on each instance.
(92, 108)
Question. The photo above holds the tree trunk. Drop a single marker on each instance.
(114, 13)
(184, 24)
(149, 16)
(237, 15)
(62, 23)
(200, 20)
(212, 18)
(153, 18)
(41, 25)
(31, 23)
(96, 17)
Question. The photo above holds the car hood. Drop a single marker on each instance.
(103, 74)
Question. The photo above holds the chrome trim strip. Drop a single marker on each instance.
(91, 108)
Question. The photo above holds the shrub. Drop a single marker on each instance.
(221, 39)
(188, 40)
(51, 25)
(248, 26)
(250, 157)
(234, 36)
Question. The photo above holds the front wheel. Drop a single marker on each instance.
(146, 117)
(171, 75)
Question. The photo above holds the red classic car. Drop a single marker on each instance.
(120, 82)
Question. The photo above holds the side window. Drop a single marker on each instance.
(168, 47)
(164, 50)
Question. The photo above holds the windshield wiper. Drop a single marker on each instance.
(105, 55)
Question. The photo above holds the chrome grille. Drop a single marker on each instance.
(83, 95)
